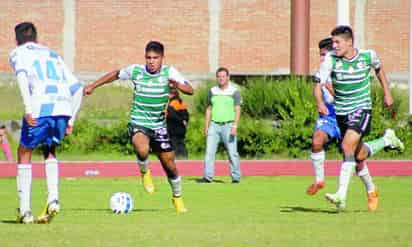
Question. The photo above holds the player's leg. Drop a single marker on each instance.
(230, 143)
(24, 181)
(353, 127)
(141, 144)
(212, 142)
(56, 132)
(349, 144)
(29, 139)
(162, 146)
(52, 206)
(167, 159)
(319, 139)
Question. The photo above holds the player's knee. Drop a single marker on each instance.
(347, 149)
(317, 145)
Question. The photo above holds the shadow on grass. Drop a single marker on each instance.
(297, 209)
(202, 181)
(110, 211)
(9, 222)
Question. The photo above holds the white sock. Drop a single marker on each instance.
(344, 178)
(366, 179)
(318, 160)
(24, 178)
(52, 178)
(176, 185)
(143, 165)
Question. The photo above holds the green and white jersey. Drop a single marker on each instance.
(151, 94)
(350, 79)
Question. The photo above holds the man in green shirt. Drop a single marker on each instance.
(349, 68)
(147, 123)
(221, 121)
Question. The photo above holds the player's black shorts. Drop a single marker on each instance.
(359, 121)
(159, 138)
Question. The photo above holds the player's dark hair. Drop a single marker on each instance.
(326, 44)
(344, 31)
(222, 69)
(25, 32)
(2, 126)
(155, 46)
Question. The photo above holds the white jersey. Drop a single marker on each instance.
(47, 86)
(327, 96)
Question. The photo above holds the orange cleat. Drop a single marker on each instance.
(373, 200)
(314, 188)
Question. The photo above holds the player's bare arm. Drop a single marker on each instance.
(317, 93)
(387, 96)
(185, 88)
(207, 119)
(107, 78)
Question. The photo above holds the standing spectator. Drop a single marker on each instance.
(177, 120)
(221, 121)
(5, 145)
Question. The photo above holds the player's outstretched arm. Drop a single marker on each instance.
(184, 87)
(387, 96)
(107, 78)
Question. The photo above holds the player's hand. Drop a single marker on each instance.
(88, 90)
(388, 100)
(233, 131)
(206, 130)
(30, 120)
(323, 110)
(69, 130)
(172, 83)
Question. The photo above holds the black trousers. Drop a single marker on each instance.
(178, 144)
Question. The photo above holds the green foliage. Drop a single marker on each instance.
(200, 97)
(91, 136)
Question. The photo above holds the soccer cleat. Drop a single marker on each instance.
(314, 188)
(25, 218)
(334, 198)
(393, 140)
(179, 205)
(373, 200)
(50, 210)
(148, 182)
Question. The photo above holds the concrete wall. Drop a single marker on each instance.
(248, 36)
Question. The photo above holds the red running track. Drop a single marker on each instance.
(195, 168)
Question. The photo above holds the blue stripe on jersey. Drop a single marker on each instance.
(73, 88)
(53, 54)
(46, 110)
(51, 89)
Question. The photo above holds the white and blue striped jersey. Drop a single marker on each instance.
(47, 86)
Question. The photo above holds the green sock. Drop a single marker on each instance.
(375, 145)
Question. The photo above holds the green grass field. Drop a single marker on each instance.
(261, 211)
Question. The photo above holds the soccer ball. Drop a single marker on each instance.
(121, 203)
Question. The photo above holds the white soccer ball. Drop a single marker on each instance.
(121, 203)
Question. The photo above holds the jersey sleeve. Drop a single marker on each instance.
(17, 63)
(175, 75)
(237, 98)
(325, 69)
(375, 62)
(126, 73)
(209, 98)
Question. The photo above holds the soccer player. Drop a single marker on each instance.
(349, 70)
(326, 130)
(51, 96)
(147, 124)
